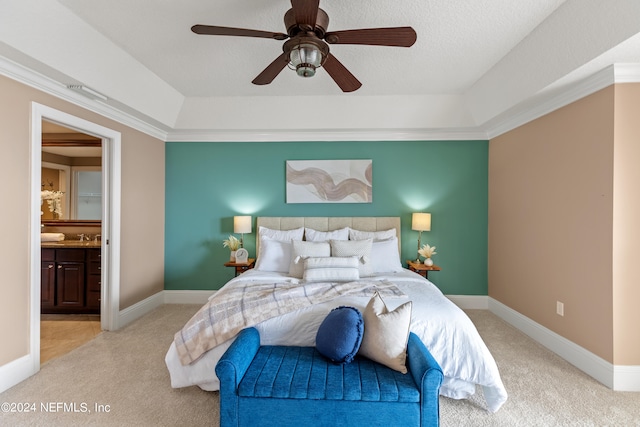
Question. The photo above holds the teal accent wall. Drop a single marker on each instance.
(207, 183)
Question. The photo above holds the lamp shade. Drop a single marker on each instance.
(421, 221)
(242, 224)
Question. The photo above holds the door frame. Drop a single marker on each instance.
(111, 190)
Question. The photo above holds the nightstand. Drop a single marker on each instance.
(241, 267)
(422, 269)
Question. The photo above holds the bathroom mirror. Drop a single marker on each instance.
(71, 187)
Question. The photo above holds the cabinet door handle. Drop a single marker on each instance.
(99, 283)
(50, 265)
(59, 267)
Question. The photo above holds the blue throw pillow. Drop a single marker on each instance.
(340, 334)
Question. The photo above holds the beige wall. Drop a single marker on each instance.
(142, 239)
(626, 228)
(561, 206)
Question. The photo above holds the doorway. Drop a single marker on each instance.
(71, 213)
(110, 230)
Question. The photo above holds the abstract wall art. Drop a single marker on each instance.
(329, 181)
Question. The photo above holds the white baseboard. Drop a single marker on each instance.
(619, 378)
(16, 371)
(139, 309)
(187, 297)
(626, 378)
(616, 377)
(143, 307)
(470, 302)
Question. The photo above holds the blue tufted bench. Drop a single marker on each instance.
(292, 386)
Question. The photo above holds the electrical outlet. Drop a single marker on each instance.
(559, 308)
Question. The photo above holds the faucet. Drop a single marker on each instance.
(97, 238)
(82, 236)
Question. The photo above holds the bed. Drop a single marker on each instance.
(281, 271)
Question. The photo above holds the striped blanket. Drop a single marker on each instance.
(247, 303)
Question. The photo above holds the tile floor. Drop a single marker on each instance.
(61, 333)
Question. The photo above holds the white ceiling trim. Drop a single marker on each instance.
(515, 117)
(546, 103)
(285, 135)
(38, 81)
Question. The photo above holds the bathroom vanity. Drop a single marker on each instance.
(71, 277)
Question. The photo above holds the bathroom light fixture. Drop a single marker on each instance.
(420, 222)
(88, 92)
(242, 224)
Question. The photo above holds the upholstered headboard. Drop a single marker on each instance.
(329, 223)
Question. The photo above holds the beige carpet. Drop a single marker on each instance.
(124, 374)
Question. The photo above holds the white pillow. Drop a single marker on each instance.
(300, 250)
(386, 333)
(312, 235)
(275, 255)
(359, 248)
(375, 235)
(385, 257)
(282, 235)
(331, 269)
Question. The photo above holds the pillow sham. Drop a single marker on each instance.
(312, 235)
(331, 269)
(300, 250)
(282, 235)
(358, 248)
(340, 334)
(386, 333)
(275, 255)
(385, 257)
(375, 235)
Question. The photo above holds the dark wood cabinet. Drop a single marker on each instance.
(94, 278)
(47, 279)
(70, 280)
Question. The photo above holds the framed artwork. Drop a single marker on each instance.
(329, 181)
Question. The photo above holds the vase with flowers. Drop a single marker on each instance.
(233, 244)
(427, 252)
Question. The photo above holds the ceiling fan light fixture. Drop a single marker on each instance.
(305, 58)
(306, 54)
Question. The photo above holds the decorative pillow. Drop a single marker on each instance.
(274, 256)
(385, 257)
(386, 333)
(331, 269)
(300, 250)
(312, 235)
(359, 248)
(340, 334)
(282, 235)
(375, 235)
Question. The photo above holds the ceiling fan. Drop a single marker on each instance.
(307, 47)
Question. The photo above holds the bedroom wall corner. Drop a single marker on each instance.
(142, 192)
(551, 221)
(626, 232)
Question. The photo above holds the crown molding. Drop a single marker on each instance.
(49, 86)
(536, 107)
(546, 103)
(284, 135)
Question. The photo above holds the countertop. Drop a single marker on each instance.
(72, 244)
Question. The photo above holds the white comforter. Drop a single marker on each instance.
(444, 328)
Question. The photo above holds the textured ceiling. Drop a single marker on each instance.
(458, 41)
(474, 63)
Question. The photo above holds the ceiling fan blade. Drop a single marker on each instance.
(272, 70)
(213, 30)
(393, 36)
(339, 74)
(306, 12)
